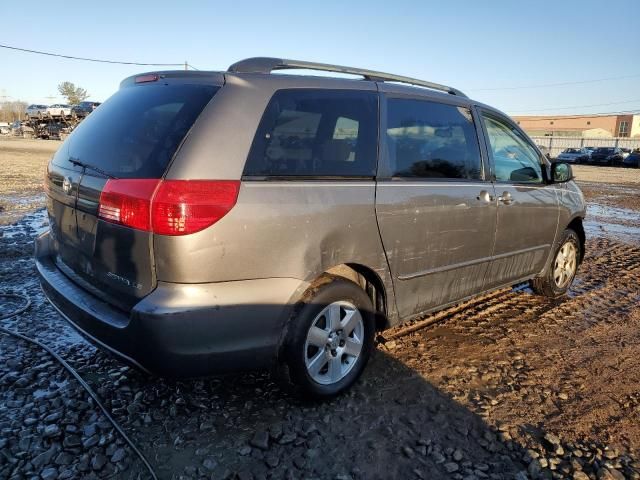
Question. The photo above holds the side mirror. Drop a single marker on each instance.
(561, 172)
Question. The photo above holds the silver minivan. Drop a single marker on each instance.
(211, 221)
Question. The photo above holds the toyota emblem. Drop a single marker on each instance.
(66, 185)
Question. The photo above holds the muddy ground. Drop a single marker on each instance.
(510, 385)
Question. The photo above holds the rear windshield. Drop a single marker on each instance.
(135, 133)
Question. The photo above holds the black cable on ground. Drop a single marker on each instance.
(71, 370)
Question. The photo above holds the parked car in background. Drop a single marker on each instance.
(574, 155)
(632, 160)
(59, 110)
(35, 110)
(85, 108)
(5, 128)
(15, 127)
(157, 253)
(607, 156)
(20, 129)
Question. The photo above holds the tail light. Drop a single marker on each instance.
(128, 202)
(167, 207)
(181, 207)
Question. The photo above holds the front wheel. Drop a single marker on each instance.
(330, 338)
(563, 268)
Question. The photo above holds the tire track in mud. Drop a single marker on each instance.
(487, 300)
(609, 292)
(601, 283)
(530, 365)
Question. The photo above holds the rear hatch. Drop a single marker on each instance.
(124, 146)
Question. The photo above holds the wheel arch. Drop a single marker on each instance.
(371, 283)
(576, 225)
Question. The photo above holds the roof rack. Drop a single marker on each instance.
(268, 64)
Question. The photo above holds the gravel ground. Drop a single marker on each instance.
(506, 386)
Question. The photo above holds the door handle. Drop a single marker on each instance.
(485, 196)
(506, 198)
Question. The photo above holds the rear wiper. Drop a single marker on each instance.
(84, 165)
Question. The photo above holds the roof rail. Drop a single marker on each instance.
(268, 64)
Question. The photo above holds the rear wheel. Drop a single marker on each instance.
(330, 338)
(563, 268)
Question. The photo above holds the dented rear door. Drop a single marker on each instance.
(436, 212)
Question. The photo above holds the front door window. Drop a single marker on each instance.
(514, 159)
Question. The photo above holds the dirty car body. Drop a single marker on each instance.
(420, 197)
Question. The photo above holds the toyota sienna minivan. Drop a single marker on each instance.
(210, 221)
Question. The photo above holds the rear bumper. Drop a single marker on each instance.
(180, 330)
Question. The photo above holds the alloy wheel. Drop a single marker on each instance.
(564, 267)
(334, 342)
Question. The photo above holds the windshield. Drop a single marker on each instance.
(136, 132)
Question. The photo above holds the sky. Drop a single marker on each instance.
(488, 49)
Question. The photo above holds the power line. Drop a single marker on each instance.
(70, 57)
(576, 106)
(560, 84)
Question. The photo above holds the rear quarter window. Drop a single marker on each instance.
(316, 133)
(136, 132)
(432, 140)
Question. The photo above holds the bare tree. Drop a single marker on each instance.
(73, 94)
(11, 111)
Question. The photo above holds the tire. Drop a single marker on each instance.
(323, 372)
(557, 280)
